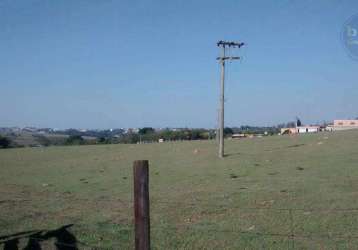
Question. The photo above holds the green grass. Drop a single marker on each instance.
(261, 193)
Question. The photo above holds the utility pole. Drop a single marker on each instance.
(218, 127)
(222, 59)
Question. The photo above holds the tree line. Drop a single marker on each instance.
(143, 135)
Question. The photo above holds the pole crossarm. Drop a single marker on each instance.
(230, 44)
(228, 58)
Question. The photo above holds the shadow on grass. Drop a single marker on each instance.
(231, 154)
(64, 240)
(295, 145)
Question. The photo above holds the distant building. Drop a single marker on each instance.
(237, 136)
(300, 130)
(328, 128)
(308, 129)
(345, 124)
(285, 131)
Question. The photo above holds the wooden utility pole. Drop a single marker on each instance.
(141, 205)
(218, 127)
(222, 59)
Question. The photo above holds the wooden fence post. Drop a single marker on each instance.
(141, 205)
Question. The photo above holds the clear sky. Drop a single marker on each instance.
(105, 64)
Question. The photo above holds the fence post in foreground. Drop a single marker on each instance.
(141, 205)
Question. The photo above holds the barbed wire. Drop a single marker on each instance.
(284, 235)
(308, 209)
(222, 205)
(261, 234)
(290, 235)
(207, 204)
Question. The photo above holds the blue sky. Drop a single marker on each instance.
(105, 64)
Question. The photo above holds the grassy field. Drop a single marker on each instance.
(280, 192)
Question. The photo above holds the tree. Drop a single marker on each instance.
(4, 142)
(75, 140)
(298, 122)
(43, 140)
(104, 140)
(228, 131)
(146, 130)
(291, 125)
(195, 134)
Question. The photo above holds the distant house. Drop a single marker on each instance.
(300, 130)
(345, 124)
(308, 129)
(328, 128)
(285, 131)
(237, 136)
